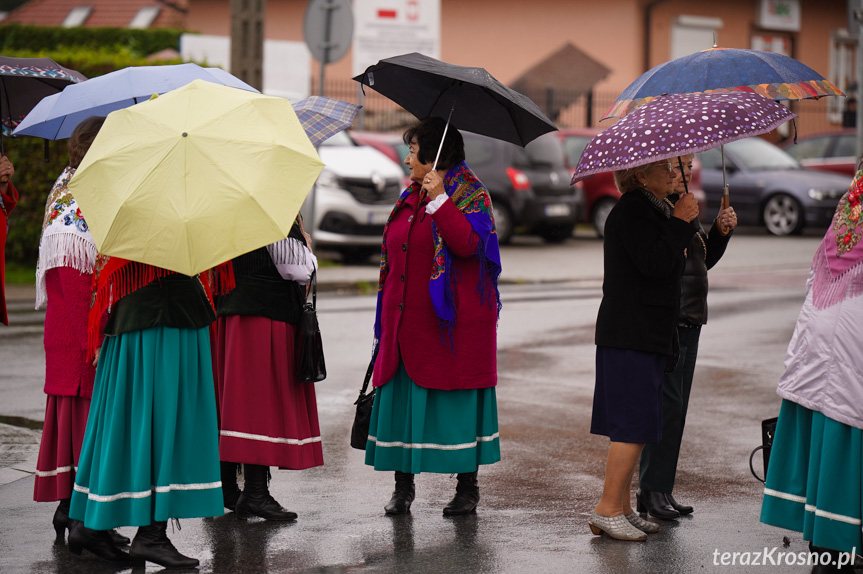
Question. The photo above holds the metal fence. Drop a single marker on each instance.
(567, 109)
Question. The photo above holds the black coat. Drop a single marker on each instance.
(703, 253)
(643, 261)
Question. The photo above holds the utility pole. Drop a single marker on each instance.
(247, 41)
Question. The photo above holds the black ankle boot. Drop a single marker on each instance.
(683, 509)
(117, 538)
(403, 495)
(466, 495)
(255, 500)
(655, 504)
(96, 541)
(151, 544)
(61, 519)
(230, 490)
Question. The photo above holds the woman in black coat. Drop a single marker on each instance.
(645, 241)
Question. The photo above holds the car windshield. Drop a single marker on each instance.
(545, 150)
(574, 146)
(754, 154)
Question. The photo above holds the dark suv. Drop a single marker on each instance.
(529, 186)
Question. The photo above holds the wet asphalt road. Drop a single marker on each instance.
(535, 502)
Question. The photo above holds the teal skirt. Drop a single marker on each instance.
(414, 429)
(151, 448)
(815, 479)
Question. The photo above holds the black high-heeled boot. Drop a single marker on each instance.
(230, 490)
(96, 541)
(403, 495)
(466, 495)
(255, 500)
(151, 544)
(61, 519)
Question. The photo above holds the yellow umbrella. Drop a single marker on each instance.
(195, 177)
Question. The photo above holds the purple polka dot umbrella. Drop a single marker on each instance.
(679, 124)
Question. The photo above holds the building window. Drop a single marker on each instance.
(690, 34)
(145, 17)
(77, 16)
(843, 55)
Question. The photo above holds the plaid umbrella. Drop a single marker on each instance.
(322, 117)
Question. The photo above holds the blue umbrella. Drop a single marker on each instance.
(56, 116)
(774, 76)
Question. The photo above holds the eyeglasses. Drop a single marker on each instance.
(667, 166)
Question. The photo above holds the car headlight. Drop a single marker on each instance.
(328, 178)
(816, 194)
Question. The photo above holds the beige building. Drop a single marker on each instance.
(627, 37)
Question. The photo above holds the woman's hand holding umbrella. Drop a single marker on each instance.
(7, 170)
(726, 220)
(686, 207)
(433, 185)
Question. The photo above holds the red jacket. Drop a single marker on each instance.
(410, 330)
(68, 372)
(10, 198)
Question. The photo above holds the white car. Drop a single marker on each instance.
(354, 196)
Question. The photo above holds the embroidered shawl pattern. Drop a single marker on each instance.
(838, 263)
(471, 198)
(66, 240)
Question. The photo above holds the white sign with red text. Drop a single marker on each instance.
(385, 28)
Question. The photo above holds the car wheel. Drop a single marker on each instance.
(556, 233)
(502, 222)
(783, 215)
(600, 213)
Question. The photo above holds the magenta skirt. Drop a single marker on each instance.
(62, 435)
(266, 416)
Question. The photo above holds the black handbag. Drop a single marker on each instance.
(309, 350)
(768, 431)
(360, 428)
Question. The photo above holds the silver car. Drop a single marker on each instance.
(769, 187)
(354, 196)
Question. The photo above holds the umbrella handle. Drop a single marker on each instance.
(443, 137)
(726, 200)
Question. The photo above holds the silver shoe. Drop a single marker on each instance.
(642, 524)
(617, 527)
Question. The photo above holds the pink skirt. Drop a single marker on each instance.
(62, 435)
(266, 416)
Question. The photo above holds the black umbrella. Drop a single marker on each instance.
(24, 82)
(468, 97)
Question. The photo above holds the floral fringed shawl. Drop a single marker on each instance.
(837, 268)
(114, 278)
(66, 240)
(472, 199)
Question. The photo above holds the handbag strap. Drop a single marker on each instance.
(314, 282)
(369, 371)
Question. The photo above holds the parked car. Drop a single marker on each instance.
(834, 151)
(354, 196)
(600, 193)
(390, 144)
(529, 186)
(769, 187)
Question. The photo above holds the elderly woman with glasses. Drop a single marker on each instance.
(644, 253)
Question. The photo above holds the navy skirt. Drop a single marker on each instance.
(627, 399)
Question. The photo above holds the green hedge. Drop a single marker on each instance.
(138, 43)
(91, 51)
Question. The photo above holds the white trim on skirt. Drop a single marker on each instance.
(433, 446)
(146, 493)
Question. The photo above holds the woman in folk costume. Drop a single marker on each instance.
(815, 477)
(150, 451)
(266, 416)
(435, 408)
(64, 273)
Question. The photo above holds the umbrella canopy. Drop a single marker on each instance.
(56, 116)
(769, 74)
(427, 87)
(679, 124)
(195, 177)
(322, 117)
(25, 81)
